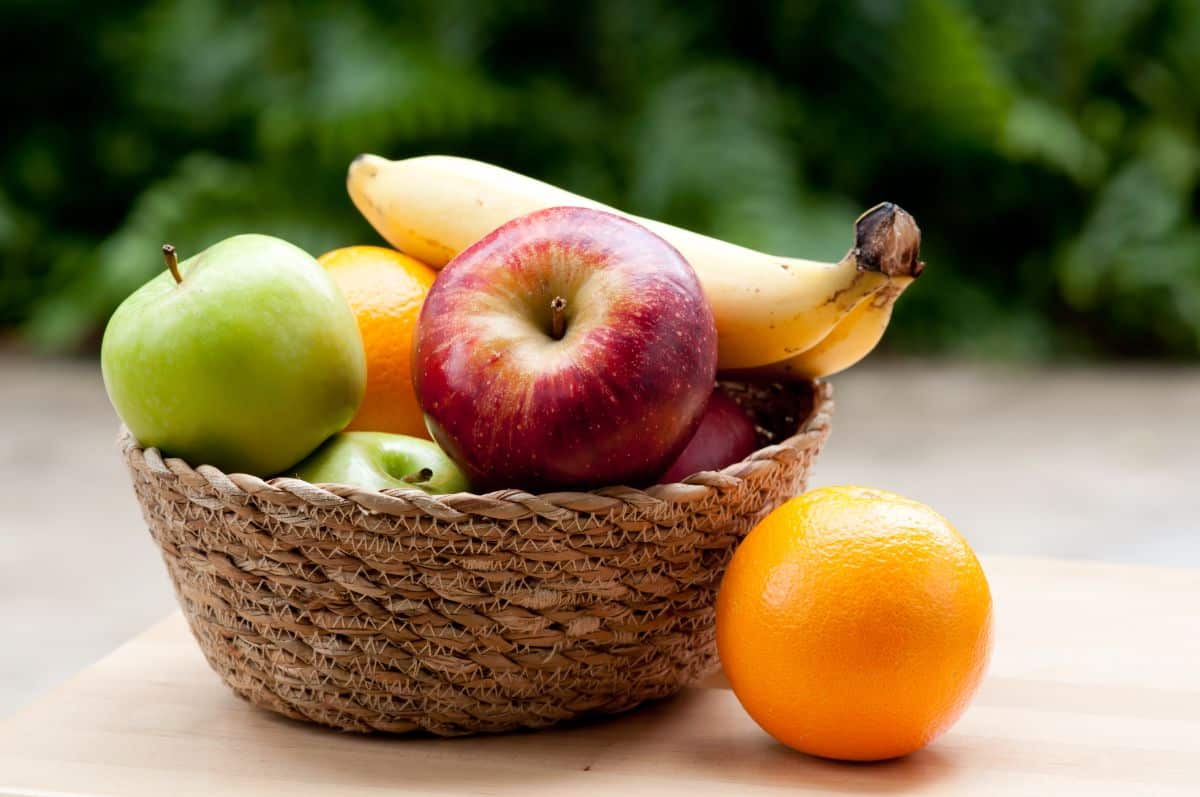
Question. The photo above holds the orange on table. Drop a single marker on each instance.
(854, 624)
(386, 289)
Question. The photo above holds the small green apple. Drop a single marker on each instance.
(378, 461)
(244, 357)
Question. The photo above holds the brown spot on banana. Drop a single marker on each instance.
(889, 293)
(850, 340)
(836, 296)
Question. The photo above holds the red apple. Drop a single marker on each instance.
(726, 435)
(567, 348)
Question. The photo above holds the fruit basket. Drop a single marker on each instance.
(399, 611)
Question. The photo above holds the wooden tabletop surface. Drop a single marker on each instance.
(1094, 689)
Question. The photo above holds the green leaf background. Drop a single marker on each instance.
(1049, 150)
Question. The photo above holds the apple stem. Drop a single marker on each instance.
(558, 318)
(423, 475)
(172, 260)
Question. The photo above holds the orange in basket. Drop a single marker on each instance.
(385, 288)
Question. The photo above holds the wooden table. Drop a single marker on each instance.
(1094, 689)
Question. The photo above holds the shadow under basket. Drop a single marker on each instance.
(399, 611)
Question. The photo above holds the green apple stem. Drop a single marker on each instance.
(172, 260)
(558, 318)
(423, 475)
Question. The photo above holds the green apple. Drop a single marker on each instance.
(377, 461)
(244, 357)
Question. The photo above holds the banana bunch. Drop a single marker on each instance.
(777, 318)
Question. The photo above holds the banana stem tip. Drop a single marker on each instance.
(887, 239)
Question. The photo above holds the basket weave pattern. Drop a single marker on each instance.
(398, 611)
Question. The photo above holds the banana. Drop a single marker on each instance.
(853, 338)
(766, 308)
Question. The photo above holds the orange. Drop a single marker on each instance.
(854, 624)
(386, 290)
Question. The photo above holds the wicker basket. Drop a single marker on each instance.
(398, 611)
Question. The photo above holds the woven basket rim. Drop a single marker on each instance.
(503, 504)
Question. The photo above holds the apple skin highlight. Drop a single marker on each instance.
(613, 401)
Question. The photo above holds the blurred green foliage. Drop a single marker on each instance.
(1048, 149)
